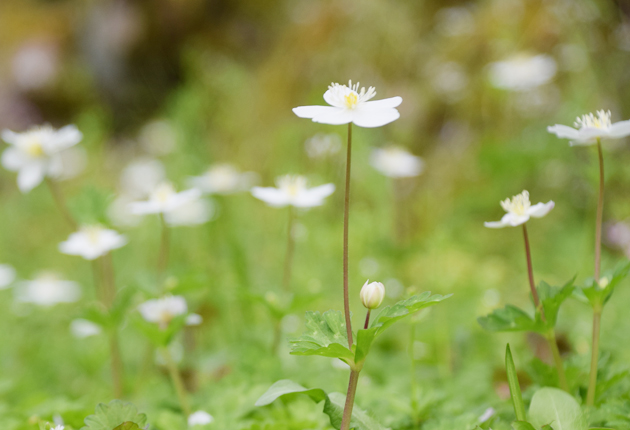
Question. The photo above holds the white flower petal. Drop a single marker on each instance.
(13, 159)
(391, 102)
(271, 196)
(563, 131)
(144, 208)
(335, 116)
(314, 196)
(619, 129)
(30, 176)
(328, 97)
(495, 224)
(514, 220)
(64, 138)
(374, 118)
(10, 137)
(313, 111)
(539, 210)
(590, 135)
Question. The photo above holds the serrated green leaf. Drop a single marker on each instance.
(333, 407)
(551, 299)
(325, 335)
(286, 386)
(128, 426)
(114, 414)
(509, 318)
(522, 425)
(515, 388)
(158, 336)
(599, 296)
(554, 407)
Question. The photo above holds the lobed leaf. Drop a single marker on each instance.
(116, 415)
(286, 386)
(325, 335)
(556, 408)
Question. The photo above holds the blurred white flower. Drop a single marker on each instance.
(372, 294)
(292, 190)
(7, 276)
(489, 413)
(322, 145)
(47, 289)
(617, 235)
(92, 241)
(519, 210)
(120, 213)
(589, 128)
(82, 328)
(223, 179)
(162, 311)
(522, 72)
(455, 21)
(448, 79)
(195, 212)
(59, 427)
(36, 153)
(396, 162)
(194, 319)
(199, 418)
(140, 177)
(351, 104)
(35, 64)
(164, 199)
(158, 137)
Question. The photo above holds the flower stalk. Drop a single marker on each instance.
(349, 405)
(346, 217)
(177, 381)
(60, 201)
(164, 247)
(592, 381)
(288, 259)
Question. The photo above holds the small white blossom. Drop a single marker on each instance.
(195, 212)
(162, 311)
(194, 319)
(164, 199)
(322, 145)
(292, 190)
(522, 72)
(47, 290)
(92, 241)
(589, 128)
(519, 210)
(223, 179)
(396, 162)
(351, 104)
(36, 153)
(7, 276)
(199, 418)
(372, 294)
(141, 176)
(82, 328)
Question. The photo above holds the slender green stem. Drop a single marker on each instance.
(412, 361)
(117, 364)
(600, 210)
(530, 272)
(346, 217)
(164, 247)
(177, 381)
(288, 259)
(557, 360)
(592, 382)
(347, 409)
(60, 201)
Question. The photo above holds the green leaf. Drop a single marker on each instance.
(554, 407)
(158, 336)
(333, 405)
(389, 316)
(114, 415)
(522, 425)
(509, 318)
(515, 388)
(551, 299)
(286, 386)
(325, 335)
(597, 295)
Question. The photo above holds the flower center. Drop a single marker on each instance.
(163, 193)
(292, 185)
(93, 234)
(351, 100)
(518, 205)
(34, 148)
(601, 121)
(349, 96)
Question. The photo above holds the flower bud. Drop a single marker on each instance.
(372, 295)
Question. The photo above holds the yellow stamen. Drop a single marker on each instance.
(351, 100)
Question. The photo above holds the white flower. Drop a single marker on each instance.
(351, 104)
(322, 145)
(60, 427)
(36, 153)
(140, 177)
(48, 290)
(195, 212)
(522, 72)
(292, 191)
(194, 319)
(372, 294)
(488, 413)
(92, 241)
(199, 418)
(396, 162)
(589, 128)
(223, 179)
(162, 311)
(519, 210)
(7, 276)
(164, 199)
(81, 328)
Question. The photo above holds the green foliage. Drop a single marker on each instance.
(554, 407)
(159, 336)
(512, 318)
(333, 404)
(116, 415)
(598, 294)
(515, 388)
(326, 333)
(113, 317)
(522, 425)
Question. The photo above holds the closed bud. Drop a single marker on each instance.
(372, 294)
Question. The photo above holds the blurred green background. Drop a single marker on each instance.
(221, 77)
